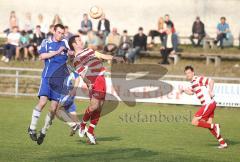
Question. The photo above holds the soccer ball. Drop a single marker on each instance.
(95, 12)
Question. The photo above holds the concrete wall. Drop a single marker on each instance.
(130, 14)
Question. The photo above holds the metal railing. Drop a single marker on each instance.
(16, 74)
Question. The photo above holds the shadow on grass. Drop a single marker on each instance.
(100, 139)
(228, 141)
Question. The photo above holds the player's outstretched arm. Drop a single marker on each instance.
(107, 57)
(186, 90)
(48, 55)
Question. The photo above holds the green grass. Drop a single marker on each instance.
(119, 139)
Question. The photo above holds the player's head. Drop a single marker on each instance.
(58, 32)
(223, 19)
(189, 72)
(75, 43)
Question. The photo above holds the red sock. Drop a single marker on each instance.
(86, 117)
(94, 120)
(204, 124)
(220, 139)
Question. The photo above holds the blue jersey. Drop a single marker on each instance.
(54, 63)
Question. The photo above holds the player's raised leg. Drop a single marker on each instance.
(35, 116)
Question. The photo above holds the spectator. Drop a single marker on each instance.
(13, 21)
(50, 32)
(222, 31)
(42, 24)
(86, 24)
(57, 20)
(161, 32)
(198, 32)
(67, 34)
(139, 43)
(93, 41)
(170, 45)
(112, 41)
(169, 23)
(24, 43)
(28, 24)
(125, 44)
(38, 37)
(83, 37)
(103, 27)
(11, 45)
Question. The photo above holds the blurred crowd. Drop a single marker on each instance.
(23, 43)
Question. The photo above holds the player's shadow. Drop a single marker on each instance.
(120, 154)
(228, 141)
(100, 139)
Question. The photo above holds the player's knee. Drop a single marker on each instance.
(93, 107)
(194, 122)
(41, 104)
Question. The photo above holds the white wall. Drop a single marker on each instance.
(130, 14)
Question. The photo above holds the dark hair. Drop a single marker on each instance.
(124, 31)
(23, 32)
(224, 18)
(189, 67)
(140, 28)
(38, 26)
(72, 40)
(58, 26)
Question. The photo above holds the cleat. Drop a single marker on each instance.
(82, 131)
(91, 138)
(40, 138)
(217, 129)
(74, 129)
(223, 146)
(32, 134)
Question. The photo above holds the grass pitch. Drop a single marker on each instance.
(146, 132)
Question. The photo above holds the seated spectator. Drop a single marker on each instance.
(198, 32)
(50, 32)
(112, 41)
(169, 23)
(139, 43)
(161, 32)
(13, 21)
(67, 34)
(11, 45)
(93, 41)
(169, 46)
(24, 43)
(86, 24)
(222, 31)
(35, 43)
(57, 20)
(103, 27)
(125, 44)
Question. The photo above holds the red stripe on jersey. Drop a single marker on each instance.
(80, 70)
(195, 85)
(200, 81)
(202, 102)
(200, 96)
(95, 63)
(206, 82)
(198, 91)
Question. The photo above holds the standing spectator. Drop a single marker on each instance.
(24, 43)
(50, 32)
(170, 44)
(125, 44)
(112, 41)
(169, 23)
(57, 20)
(86, 24)
(13, 21)
(198, 32)
(27, 23)
(67, 33)
(222, 31)
(42, 23)
(38, 37)
(103, 27)
(161, 32)
(11, 45)
(139, 43)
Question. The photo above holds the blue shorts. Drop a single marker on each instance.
(71, 108)
(51, 88)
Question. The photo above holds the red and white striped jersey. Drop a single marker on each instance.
(87, 64)
(200, 88)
